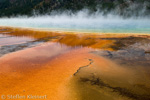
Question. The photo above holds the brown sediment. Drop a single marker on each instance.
(62, 67)
(121, 91)
(40, 70)
(92, 40)
(46, 70)
(97, 41)
(91, 61)
(106, 80)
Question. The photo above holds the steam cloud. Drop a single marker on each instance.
(81, 21)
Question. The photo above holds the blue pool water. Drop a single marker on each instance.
(101, 24)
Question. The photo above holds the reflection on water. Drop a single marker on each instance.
(10, 40)
(67, 38)
(49, 70)
(65, 68)
(41, 70)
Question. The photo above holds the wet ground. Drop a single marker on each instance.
(68, 66)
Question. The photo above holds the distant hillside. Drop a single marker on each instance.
(120, 7)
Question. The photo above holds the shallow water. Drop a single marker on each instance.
(10, 40)
(68, 69)
(49, 69)
(42, 70)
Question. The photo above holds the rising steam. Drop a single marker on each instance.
(81, 21)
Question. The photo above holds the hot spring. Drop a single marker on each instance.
(81, 23)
